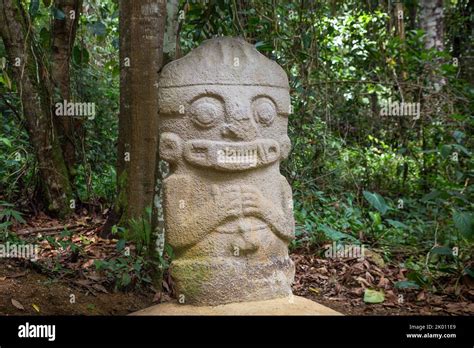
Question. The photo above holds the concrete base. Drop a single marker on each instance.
(293, 305)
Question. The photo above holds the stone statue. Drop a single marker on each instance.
(228, 211)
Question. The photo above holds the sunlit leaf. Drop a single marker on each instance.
(376, 201)
(373, 296)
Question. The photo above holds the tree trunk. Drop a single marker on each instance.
(147, 25)
(431, 20)
(63, 36)
(33, 84)
(142, 27)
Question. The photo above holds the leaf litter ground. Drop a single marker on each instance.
(66, 268)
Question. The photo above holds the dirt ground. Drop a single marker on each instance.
(26, 292)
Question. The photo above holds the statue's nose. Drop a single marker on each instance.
(239, 125)
(245, 131)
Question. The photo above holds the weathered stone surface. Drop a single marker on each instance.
(228, 211)
(281, 306)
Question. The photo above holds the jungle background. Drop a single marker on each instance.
(399, 185)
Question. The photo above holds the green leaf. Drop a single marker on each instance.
(34, 7)
(80, 55)
(332, 234)
(264, 46)
(121, 244)
(57, 13)
(469, 272)
(373, 296)
(99, 264)
(418, 277)
(397, 224)
(441, 250)
(446, 151)
(17, 216)
(464, 222)
(432, 195)
(98, 28)
(376, 201)
(377, 220)
(459, 136)
(6, 142)
(406, 284)
(125, 279)
(461, 148)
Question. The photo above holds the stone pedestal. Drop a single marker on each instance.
(293, 305)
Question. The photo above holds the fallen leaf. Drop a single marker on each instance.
(374, 257)
(3, 278)
(83, 282)
(17, 304)
(95, 278)
(166, 286)
(421, 296)
(322, 270)
(157, 297)
(384, 283)
(369, 277)
(373, 296)
(88, 263)
(100, 288)
(357, 291)
(362, 281)
(455, 307)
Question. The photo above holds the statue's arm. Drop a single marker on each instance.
(279, 215)
(192, 214)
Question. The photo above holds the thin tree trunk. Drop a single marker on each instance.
(33, 84)
(432, 22)
(63, 36)
(142, 27)
(147, 26)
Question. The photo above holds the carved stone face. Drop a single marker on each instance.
(229, 117)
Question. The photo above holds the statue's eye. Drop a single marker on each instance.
(206, 111)
(264, 111)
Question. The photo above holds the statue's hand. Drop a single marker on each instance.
(254, 203)
(227, 203)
